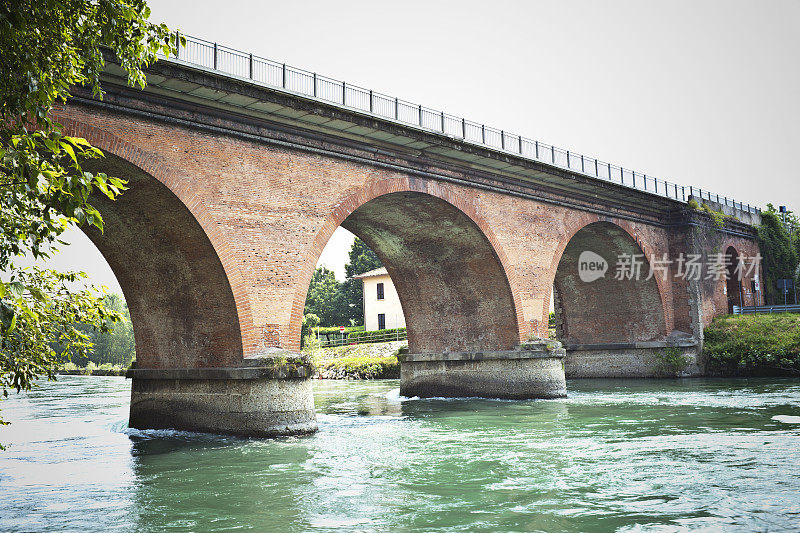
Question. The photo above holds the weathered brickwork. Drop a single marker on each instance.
(227, 231)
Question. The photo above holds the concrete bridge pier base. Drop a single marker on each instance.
(258, 399)
(532, 370)
(653, 359)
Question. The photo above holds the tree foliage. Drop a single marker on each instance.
(779, 252)
(340, 304)
(48, 47)
(362, 259)
(115, 346)
(325, 298)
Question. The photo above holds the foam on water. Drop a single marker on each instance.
(787, 419)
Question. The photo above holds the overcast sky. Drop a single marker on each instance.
(702, 93)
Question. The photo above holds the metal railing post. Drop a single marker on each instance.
(177, 45)
(420, 115)
(633, 173)
(344, 93)
(483, 133)
(283, 76)
(568, 166)
(644, 179)
(251, 66)
(315, 84)
(396, 109)
(464, 129)
(442, 121)
(609, 171)
(370, 100)
(583, 167)
(536, 147)
(553, 153)
(502, 140)
(215, 56)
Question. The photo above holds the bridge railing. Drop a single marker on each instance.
(282, 76)
(765, 309)
(373, 338)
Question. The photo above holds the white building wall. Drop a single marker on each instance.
(390, 305)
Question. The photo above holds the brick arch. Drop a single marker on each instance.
(592, 221)
(156, 167)
(383, 187)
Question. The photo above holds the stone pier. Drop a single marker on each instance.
(632, 359)
(532, 370)
(261, 398)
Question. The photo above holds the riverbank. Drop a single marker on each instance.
(754, 345)
(91, 369)
(358, 361)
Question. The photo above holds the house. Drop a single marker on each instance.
(382, 309)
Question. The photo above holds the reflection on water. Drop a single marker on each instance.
(615, 455)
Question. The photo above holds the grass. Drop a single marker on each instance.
(362, 368)
(759, 345)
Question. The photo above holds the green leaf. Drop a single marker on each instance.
(68, 148)
(38, 294)
(16, 289)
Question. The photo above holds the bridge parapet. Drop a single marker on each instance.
(730, 208)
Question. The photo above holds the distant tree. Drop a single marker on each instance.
(325, 299)
(362, 259)
(310, 321)
(779, 252)
(116, 346)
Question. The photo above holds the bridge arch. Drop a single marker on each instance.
(447, 267)
(185, 296)
(602, 309)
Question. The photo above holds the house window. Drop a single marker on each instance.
(380, 291)
(381, 321)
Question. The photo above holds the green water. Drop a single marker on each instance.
(614, 456)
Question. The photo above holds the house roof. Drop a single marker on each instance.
(373, 273)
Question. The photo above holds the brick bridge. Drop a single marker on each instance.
(237, 185)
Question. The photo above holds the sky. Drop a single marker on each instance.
(702, 93)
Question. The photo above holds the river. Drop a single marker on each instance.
(708, 454)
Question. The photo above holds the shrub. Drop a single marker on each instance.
(718, 216)
(754, 344)
(693, 204)
(380, 335)
(671, 362)
(363, 368)
(328, 330)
